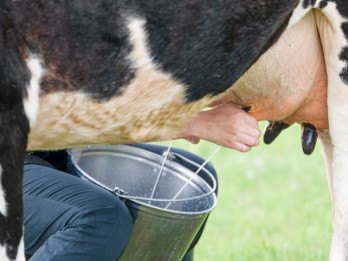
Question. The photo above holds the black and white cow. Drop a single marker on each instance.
(114, 71)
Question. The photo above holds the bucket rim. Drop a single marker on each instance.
(139, 200)
(120, 193)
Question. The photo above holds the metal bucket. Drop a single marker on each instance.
(168, 202)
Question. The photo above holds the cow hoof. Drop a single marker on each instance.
(309, 138)
(273, 129)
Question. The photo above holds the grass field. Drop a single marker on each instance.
(273, 203)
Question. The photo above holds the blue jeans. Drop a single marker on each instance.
(67, 218)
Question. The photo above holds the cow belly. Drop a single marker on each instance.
(141, 113)
(289, 82)
(151, 107)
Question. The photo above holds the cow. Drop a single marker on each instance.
(123, 71)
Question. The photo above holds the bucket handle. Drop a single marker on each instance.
(123, 194)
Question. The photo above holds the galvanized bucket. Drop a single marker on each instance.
(168, 202)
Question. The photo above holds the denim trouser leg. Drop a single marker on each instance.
(67, 218)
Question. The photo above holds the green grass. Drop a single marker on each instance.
(273, 203)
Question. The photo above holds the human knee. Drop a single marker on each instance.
(109, 227)
(122, 222)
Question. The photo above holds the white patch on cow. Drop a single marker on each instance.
(3, 207)
(3, 256)
(21, 251)
(31, 102)
(140, 53)
(299, 12)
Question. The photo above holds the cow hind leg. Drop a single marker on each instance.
(331, 26)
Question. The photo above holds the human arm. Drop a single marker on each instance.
(226, 125)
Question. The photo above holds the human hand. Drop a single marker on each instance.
(226, 125)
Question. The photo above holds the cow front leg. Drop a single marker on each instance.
(331, 25)
(18, 104)
(13, 139)
(14, 130)
(16, 108)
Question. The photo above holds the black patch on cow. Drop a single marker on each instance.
(14, 128)
(308, 3)
(83, 43)
(209, 44)
(322, 4)
(344, 55)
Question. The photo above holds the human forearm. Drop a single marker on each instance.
(227, 125)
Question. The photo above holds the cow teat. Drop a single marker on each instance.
(273, 129)
(309, 138)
